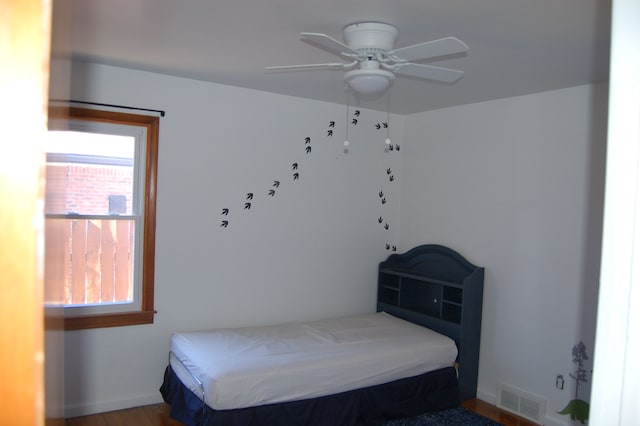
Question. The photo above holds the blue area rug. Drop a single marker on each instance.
(452, 417)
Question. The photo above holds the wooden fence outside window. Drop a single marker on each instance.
(90, 258)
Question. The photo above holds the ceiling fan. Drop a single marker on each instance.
(375, 62)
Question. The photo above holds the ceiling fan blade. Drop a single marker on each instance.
(336, 65)
(429, 72)
(430, 49)
(328, 43)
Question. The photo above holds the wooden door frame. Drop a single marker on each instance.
(24, 68)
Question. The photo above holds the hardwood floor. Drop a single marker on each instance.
(158, 415)
(149, 415)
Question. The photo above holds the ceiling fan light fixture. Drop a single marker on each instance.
(369, 82)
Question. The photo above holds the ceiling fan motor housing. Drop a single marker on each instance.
(370, 37)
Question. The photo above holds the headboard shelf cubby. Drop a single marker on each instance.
(436, 287)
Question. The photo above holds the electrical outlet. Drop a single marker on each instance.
(559, 382)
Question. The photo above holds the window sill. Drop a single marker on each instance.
(108, 320)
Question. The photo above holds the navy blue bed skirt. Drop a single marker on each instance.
(373, 405)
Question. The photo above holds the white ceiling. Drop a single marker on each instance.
(516, 46)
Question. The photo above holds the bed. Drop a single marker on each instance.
(416, 353)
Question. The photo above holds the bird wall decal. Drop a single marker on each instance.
(355, 119)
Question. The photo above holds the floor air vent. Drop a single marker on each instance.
(522, 403)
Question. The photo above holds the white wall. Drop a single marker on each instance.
(515, 185)
(311, 251)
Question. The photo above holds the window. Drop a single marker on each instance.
(100, 217)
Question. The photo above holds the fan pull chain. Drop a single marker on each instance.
(346, 124)
(387, 141)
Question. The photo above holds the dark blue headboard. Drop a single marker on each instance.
(434, 286)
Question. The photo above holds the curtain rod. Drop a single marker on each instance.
(161, 112)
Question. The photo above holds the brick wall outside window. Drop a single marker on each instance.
(85, 188)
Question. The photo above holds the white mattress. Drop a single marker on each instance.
(245, 367)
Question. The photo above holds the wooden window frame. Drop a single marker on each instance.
(145, 314)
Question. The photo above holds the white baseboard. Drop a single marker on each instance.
(490, 398)
(550, 421)
(88, 408)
